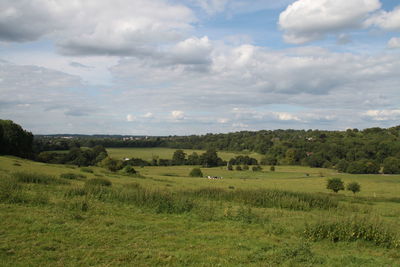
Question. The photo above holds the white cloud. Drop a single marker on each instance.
(130, 118)
(109, 27)
(394, 43)
(148, 115)
(309, 20)
(389, 21)
(178, 115)
(383, 115)
(284, 116)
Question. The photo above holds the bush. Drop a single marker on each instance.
(238, 168)
(353, 187)
(196, 172)
(335, 184)
(245, 167)
(257, 168)
(129, 170)
(98, 182)
(272, 168)
(230, 167)
(72, 176)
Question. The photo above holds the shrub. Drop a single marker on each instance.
(272, 168)
(335, 184)
(238, 168)
(245, 167)
(98, 182)
(230, 167)
(129, 170)
(257, 168)
(353, 187)
(353, 229)
(71, 176)
(36, 178)
(196, 172)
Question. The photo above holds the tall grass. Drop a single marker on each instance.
(268, 198)
(11, 191)
(353, 229)
(37, 178)
(161, 201)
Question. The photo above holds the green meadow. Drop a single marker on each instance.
(59, 215)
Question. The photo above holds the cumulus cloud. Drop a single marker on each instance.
(122, 27)
(178, 115)
(130, 118)
(383, 115)
(389, 21)
(394, 43)
(309, 20)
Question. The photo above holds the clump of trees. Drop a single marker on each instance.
(75, 156)
(336, 184)
(14, 140)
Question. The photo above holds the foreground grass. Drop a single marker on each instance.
(127, 223)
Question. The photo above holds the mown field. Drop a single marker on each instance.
(162, 217)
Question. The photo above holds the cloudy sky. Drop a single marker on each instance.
(164, 67)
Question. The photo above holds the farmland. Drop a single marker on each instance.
(163, 217)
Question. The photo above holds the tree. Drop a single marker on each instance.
(229, 167)
(196, 172)
(353, 187)
(335, 184)
(256, 168)
(193, 159)
(272, 168)
(238, 168)
(210, 159)
(245, 167)
(179, 157)
(391, 165)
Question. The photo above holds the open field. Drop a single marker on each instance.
(166, 153)
(163, 217)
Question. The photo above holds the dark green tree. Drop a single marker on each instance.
(335, 184)
(353, 187)
(196, 172)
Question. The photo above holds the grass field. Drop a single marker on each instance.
(166, 153)
(162, 217)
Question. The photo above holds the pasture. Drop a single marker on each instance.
(162, 217)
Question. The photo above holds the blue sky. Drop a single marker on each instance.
(192, 67)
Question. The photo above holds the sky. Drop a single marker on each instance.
(180, 67)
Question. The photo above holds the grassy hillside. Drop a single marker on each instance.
(163, 217)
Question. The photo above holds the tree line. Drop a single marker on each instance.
(354, 151)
